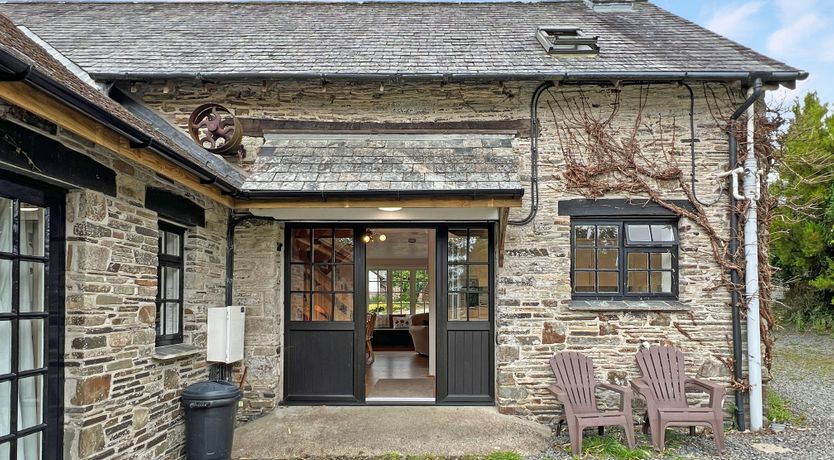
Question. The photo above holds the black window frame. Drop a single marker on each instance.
(310, 265)
(467, 291)
(625, 247)
(24, 190)
(170, 261)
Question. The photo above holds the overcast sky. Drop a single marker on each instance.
(797, 32)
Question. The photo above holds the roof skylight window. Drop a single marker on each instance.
(567, 40)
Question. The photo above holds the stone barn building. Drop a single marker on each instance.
(480, 185)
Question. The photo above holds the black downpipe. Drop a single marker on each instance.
(221, 371)
(534, 155)
(233, 222)
(692, 140)
(734, 299)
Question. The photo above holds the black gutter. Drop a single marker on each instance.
(26, 73)
(767, 76)
(734, 300)
(325, 195)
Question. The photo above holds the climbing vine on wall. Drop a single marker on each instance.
(603, 149)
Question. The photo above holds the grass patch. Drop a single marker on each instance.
(780, 410)
(497, 455)
(807, 359)
(610, 447)
(503, 455)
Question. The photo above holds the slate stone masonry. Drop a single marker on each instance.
(121, 394)
(535, 315)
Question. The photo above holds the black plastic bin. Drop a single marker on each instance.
(210, 409)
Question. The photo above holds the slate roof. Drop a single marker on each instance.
(15, 44)
(390, 162)
(351, 40)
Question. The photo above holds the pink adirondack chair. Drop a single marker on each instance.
(575, 388)
(662, 383)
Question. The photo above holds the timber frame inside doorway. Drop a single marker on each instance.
(324, 352)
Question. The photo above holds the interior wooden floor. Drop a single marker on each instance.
(398, 365)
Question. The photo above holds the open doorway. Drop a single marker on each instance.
(400, 364)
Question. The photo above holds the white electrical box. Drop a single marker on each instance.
(225, 334)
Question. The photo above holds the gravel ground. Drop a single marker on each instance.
(803, 374)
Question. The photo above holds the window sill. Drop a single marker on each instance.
(627, 305)
(176, 351)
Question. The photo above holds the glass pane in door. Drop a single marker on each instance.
(30, 347)
(32, 229)
(5, 346)
(321, 282)
(5, 285)
(29, 447)
(29, 402)
(31, 286)
(6, 220)
(5, 408)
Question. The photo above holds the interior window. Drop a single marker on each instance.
(396, 294)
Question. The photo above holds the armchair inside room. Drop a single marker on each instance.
(419, 330)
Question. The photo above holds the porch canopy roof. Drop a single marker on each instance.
(385, 166)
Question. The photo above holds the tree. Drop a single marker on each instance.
(803, 225)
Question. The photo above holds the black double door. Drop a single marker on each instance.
(325, 307)
(31, 319)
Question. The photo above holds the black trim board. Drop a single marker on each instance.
(174, 207)
(611, 207)
(53, 159)
(325, 195)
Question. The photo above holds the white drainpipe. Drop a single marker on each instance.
(751, 275)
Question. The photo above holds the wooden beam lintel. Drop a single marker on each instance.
(503, 220)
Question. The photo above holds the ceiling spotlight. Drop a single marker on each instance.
(390, 208)
(368, 236)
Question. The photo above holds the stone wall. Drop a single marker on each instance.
(121, 399)
(533, 290)
(258, 280)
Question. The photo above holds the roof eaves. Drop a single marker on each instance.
(325, 195)
(782, 77)
(20, 70)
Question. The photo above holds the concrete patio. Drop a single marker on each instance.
(322, 431)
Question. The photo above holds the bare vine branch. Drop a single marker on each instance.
(603, 154)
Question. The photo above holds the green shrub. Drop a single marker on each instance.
(802, 229)
(805, 308)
